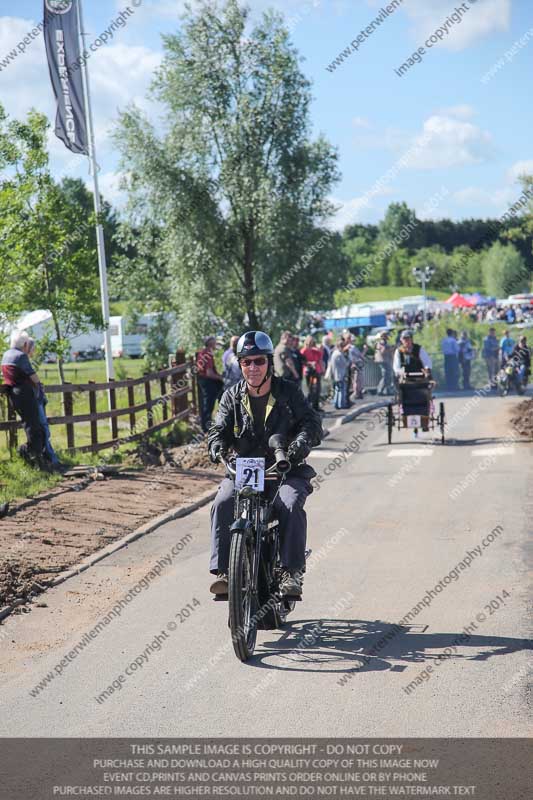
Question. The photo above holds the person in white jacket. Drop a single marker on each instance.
(337, 372)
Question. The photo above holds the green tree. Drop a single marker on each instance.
(519, 229)
(235, 183)
(467, 268)
(45, 249)
(504, 270)
(434, 257)
(77, 195)
(398, 226)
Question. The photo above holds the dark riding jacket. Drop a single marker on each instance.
(287, 413)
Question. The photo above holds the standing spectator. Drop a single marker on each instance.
(297, 358)
(232, 370)
(42, 399)
(356, 360)
(313, 370)
(383, 358)
(327, 347)
(338, 373)
(490, 351)
(466, 355)
(230, 352)
(510, 315)
(283, 359)
(506, 347)
(450, 351)
(209, 381)
(23, 381)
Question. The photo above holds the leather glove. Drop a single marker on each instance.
(297, 451)
(215, 452)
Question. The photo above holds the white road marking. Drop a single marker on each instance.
(493, 451)
(420, 451)
(324, 454)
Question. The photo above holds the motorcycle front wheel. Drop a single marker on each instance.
(503, 389)
(242, 595)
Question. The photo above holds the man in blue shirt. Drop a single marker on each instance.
(450, 351)
(506, 347)
(490, 352)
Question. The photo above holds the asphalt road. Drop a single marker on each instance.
(387, 526)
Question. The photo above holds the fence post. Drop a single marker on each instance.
(131, 403)
(92, 409)
(164, 403)
(181, 379)
(148, 396)
(68, 405)
(194, 386)
(112, 406)
(173, 382)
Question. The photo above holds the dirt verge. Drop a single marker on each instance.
(81, 516)
(522, 418)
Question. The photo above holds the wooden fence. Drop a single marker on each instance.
(176, 398)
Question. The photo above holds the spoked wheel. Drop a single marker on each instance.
(273, 609)
(241, 595)
(268, 612)
(442, 422)
(390, 422)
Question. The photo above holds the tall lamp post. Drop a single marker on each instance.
(423, 277)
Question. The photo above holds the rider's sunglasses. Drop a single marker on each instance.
(260, 361)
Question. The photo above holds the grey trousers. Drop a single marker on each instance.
(289, 509)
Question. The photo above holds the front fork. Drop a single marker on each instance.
(249, 519)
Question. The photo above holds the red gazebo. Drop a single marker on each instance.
(458, 301)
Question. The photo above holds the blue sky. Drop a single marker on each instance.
(468, 138)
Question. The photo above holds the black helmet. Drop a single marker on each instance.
(254, 343)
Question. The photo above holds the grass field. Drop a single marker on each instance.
(371, 294)
(83, 372)
(18, 480)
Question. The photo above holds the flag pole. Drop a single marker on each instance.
(100, 241)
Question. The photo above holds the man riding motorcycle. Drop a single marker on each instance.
(249, 413)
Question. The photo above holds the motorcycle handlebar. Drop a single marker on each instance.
(270, 471)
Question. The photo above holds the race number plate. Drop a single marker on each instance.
(250, 472)
(413, 421)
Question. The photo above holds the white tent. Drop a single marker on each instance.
(38, 323)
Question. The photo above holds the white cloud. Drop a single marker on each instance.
(447, 142)
(108, 183)
(361, 122)
(482, 19)
(119, 74)
(475, 196)
(497, 199)
(460, 112)
(348, 213)
(358, 209)
(520, 168)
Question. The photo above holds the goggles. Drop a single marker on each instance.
(260, 361)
